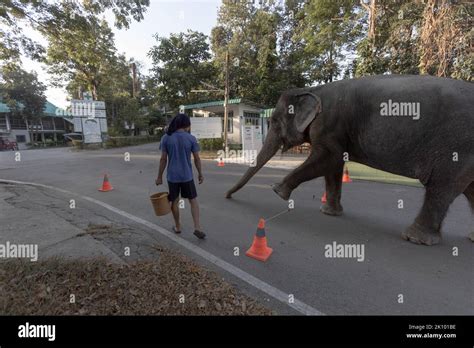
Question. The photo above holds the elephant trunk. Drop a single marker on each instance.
(270, 147)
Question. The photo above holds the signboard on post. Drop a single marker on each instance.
(91, 130)
(206, 127)
(89, 118)
(252, 142)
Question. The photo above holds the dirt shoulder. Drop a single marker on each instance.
(173, 285)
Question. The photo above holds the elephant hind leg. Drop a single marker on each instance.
(427, 226)
(469, 193)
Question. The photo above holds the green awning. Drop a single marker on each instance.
(267, 113)
(221, 103)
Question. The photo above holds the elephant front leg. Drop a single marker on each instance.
(333, 194)
(313, 167)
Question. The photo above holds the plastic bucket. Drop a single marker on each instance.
(160, 203)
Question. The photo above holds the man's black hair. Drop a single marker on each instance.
(178, 122)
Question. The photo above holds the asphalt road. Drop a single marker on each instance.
(431, 279)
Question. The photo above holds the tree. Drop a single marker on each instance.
(180, 64)
(445, 40)
(392, 39)
(291, 50)
(250, 34)
(83, 52)
(405, 37)
(23, 94)
(328, 29)
(45, 15)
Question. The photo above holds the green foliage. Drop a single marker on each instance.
(395, 46)
(180, 64)
(49, 18)
(131, 140)
(413, 38)
(22, 92)
(83, 54)
(210, 144)
(250, 34)
(131, 113)
(328, 29)
(273, 46)
(291, 64)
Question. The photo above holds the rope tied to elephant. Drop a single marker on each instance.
(276, 215)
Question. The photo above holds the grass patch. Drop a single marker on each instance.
(362, 172)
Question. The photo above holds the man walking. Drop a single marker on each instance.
(176, 147)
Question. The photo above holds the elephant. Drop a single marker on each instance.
(421, 127)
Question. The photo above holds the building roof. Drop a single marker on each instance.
(221, 103)
(49, 109)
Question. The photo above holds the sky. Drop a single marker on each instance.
(163, 17)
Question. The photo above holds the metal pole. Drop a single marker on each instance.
(226, 100)
(133, 66)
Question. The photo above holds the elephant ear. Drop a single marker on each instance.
(308, 106)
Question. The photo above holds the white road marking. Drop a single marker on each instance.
(279, 295)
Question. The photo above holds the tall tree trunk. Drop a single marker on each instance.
(439, 34)
(372, 11)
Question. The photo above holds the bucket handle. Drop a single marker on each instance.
(152, 188)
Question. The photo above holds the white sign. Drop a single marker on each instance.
(206, 127)
(252, 142)
(87, 109)
(91, 131)
(77, 124)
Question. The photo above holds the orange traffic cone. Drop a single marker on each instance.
(106, 187)
(323, 198)
(259, 249)
(345, 177)
(220, 163)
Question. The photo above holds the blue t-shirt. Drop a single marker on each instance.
(179, 146)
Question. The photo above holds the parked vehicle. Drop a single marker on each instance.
(6, 144)
(73, 139)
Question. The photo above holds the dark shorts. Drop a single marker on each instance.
(186, 189)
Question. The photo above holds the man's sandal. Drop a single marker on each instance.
(199, 234)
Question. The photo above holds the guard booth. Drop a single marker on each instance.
(241, 113)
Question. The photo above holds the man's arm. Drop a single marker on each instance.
(163, 163)
(197, 163)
